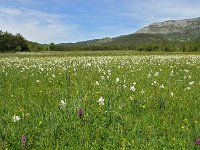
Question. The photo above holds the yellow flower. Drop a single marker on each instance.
(40, 123)
(143, 106)
(133, 142)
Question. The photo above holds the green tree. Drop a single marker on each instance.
(52, 47)
(12, 43)
(21, 43)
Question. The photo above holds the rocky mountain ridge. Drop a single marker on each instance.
(186, 29)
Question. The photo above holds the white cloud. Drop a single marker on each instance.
(34, 25)
(149, 11)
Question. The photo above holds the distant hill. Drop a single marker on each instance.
(138, 39)
(179, 30)
(127, 40)
(91, 42)
(171, 30)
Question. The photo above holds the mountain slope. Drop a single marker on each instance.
(181, 30)
(138, 39)
(160, 32)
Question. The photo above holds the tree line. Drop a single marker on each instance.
(166, 47)
(17, 43)
(12, 43)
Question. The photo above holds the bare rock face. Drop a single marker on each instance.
(173, 26)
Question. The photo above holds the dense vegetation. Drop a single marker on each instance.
(138, 42)
(17, 43)
(124, 102)
(37, 47)
(13, 43)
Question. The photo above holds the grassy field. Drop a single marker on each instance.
(92, 53)
(115, 100)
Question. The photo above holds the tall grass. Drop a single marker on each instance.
(150, 102)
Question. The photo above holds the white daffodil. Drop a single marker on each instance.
(117, 79)
(156, 74)
(101, 101)
(62, 104)
(16, 118)
(132, 88)
(162, 86)
(142, 92)
(191, 83)
(187, 88)
(171, 94)
(172, 73)
(97, 83)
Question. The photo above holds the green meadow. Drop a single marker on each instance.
(96, 100)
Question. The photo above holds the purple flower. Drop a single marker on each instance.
(197, 141)
(81, 112)
(24, 139)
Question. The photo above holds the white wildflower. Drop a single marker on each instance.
(142, 92)
(162, 86)
(172, 73)
(101, 101)
(88, 64)
(97, 83)
(156, 74)
(171, 94)
(153, 83)
(109, 73)
(191, 83)
(132, 88)
(16, 118)
(117, 79)
(62, 104)
(53, 75)
(187, 88)
(102, 77)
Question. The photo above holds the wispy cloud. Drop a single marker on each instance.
(149, 11)
(34, 25)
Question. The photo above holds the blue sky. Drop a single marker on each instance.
(60, 21)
